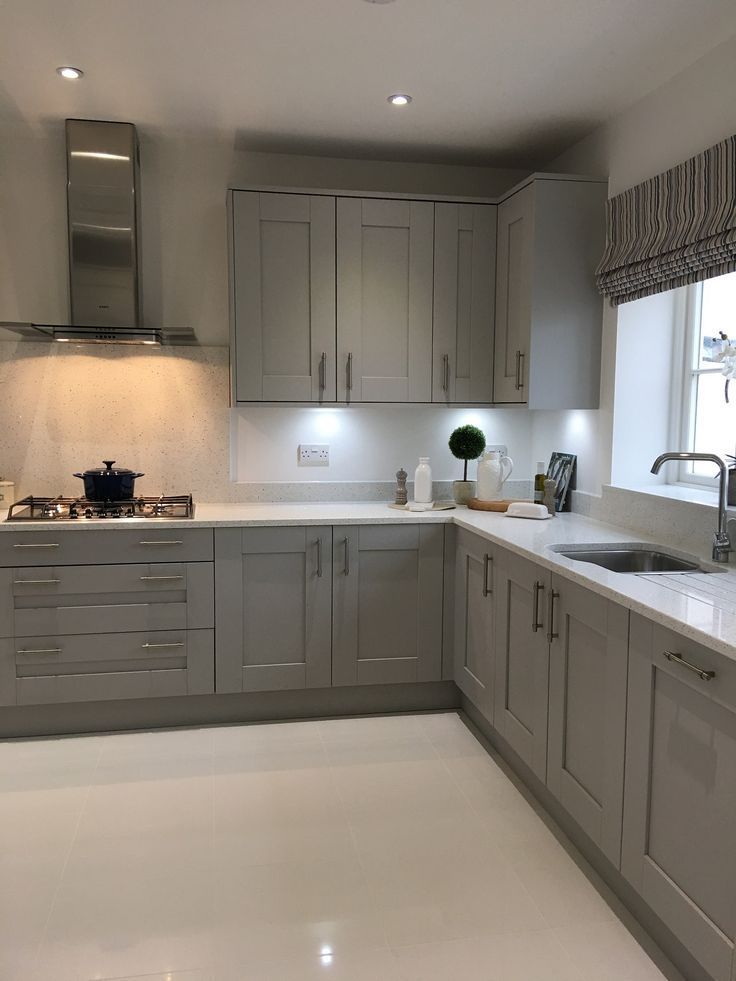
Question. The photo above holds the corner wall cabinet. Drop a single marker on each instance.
(548, 323)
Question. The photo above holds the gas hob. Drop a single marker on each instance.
(82, 509)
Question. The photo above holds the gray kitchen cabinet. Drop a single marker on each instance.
(522, 657)
(88, 545)
(464, 292)
(387, 604)
(473, 645)
(548, 318)
(273, 613)
(679, 836)
(282, 297)
(384, 300)
(587, 709)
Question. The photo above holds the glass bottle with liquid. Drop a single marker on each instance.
(539, 480)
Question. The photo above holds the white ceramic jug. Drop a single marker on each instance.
(493, 470)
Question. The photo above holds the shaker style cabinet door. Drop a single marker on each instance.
(522, 658)
(387, 604)
(384, 300)
(587, 710)
(515, 242)
(464, 292)
(283, 297)
(679, 842)
(473, 621)
(273, 610)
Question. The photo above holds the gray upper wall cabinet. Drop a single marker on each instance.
(589, 641)
(679, 841)
(273, 613)
(464, 294)
(387, 604)
(548, 322)
(384, 300)
(282, 297)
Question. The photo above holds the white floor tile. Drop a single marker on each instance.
(376, 849)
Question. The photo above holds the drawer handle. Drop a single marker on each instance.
(161, 542)
(39, 545)
(319, 558)
(346, 547)
(156, 647)
(700, 672)
(552, 634)
(159, 578)
(46, 650)
(34, 582)
(486, 570)
(536, 625)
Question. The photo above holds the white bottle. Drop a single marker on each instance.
(423, 482)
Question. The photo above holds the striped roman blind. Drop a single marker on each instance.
(675, 229)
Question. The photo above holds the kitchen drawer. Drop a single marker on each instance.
(721, 687)
(78, 547)
(41, 600)
(51, 669)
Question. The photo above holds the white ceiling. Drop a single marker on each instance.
(494, 81)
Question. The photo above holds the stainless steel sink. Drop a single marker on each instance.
(632, 560)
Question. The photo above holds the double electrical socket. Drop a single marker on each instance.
(313, 455)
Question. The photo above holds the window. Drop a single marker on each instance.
(708, 422)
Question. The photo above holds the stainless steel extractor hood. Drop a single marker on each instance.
(103, 208)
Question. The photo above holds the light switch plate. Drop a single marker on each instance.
(313, 455)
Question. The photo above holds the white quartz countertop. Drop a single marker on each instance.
(701, 606)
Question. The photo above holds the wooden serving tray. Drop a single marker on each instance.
(475, 505)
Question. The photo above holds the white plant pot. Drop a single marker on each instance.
(463, 490)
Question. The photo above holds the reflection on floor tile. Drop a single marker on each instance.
(387, 848)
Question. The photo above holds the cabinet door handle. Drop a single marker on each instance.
(536, 625)
(700, 672)
(487, 562)
(156, 647)
(44, 650)
(519, 370)
(159, 578)
(39, 545)
(319, 558)
(445, 373)
(346, 546)
(323, 372)
(162, 542)
(349, 374)
(551, 633)
(34, 582)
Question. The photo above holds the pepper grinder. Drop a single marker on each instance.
(401, 495)
(550, 493)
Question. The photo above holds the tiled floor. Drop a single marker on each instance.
(381, 849)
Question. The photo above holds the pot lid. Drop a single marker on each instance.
(108, 470)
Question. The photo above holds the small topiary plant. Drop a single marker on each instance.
(467, 443)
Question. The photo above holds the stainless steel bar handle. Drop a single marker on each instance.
(536, 625)
(700, 672)
(37, 545)
(45, 650)
(155, 647)
(551, 632)
(487, 590)
(346, 545)
(519, 370)
(34, 582)
(159, 578)
(349, 373)
(323, 372)
(319, 558)
(162, 542)
(445, 372)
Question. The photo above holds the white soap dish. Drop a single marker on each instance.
(526, 509)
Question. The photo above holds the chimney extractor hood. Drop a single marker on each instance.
(103, 210)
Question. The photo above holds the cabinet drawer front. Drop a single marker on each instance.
(55, 668)
(107, 599)
(721, 687)
(146, 544)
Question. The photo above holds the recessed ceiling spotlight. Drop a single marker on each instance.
(399, 98)
(66, 71)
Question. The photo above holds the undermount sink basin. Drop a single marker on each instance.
(632, 560)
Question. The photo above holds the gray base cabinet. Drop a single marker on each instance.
(522, 658)
(273, 608)
(679, 842)
(387, 604)
(587, 710)
(474, 641)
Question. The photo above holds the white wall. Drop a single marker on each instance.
(689, 113)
